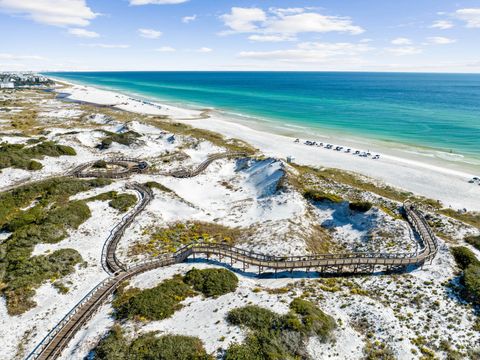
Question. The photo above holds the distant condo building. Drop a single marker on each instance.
(13, 80)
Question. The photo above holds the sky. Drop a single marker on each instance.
(293, 35)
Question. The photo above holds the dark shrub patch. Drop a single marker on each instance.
(253, 317)
(361, 206)
(278, 337)
(46, 221)
(100, 164)
(127, 138)
(156, 303)
(150, 347)
(19, 156)
(315, 195)
(474, 241)
(464, 256)
(314, 320)
(123, 202)
(471, 278)
(212, 282)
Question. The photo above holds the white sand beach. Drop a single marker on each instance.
(409, 172)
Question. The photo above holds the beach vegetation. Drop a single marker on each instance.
(360, 206)
(148, 346)
(123, 202)
(468, 217)
(120, 202)
(316, 195)
(157, 303)
(21, 157)
(464, 256)
(471, 279)
(25, 121)
(100, 164)
(234, 145)
(125, 138)
(474, 241)
(161, 301)
(34, 214)
(274, 336)
(212, 282)
(156, 185)
(177, 235)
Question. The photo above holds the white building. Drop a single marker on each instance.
(7, 85)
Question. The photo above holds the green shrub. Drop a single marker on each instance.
(127, 138)
(123, 202)
(100, 164)
(315, 195)
(28, 274)
(361, 206)
(471, 278)
(463, 256)
(156, 185)
(150, 347)
(474, 241)
(273, 336)
(253, 317)
(46, 221)
(212, 282)
(114, 346)
(314, 320)
(155, 303)
(19, 156)
(168, 347)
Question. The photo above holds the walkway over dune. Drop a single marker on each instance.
(58, 338)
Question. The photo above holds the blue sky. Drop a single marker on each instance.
(371, 35)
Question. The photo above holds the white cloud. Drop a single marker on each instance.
(286, 11)
(440, 40)
(270, 38)
(156, 2)
(187, 19)
(287, 22)
(108, 46)
(401, 41)
(404, 50)
(243, 19)
(149, 33)
(312, 22)
(83, 33)
(442, 24)
(20, 57)
(166, 49)
(470, 16)
(204, 50)
(51, 12)
(310, 52)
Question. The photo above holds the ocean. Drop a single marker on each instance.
(440, 112)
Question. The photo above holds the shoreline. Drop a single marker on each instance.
(431, 179)
(402, 148)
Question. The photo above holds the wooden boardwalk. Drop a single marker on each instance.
(58, 338)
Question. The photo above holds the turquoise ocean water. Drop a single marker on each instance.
(437, 111)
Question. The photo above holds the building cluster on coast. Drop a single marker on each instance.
(13, 80)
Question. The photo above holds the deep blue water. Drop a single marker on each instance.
(441, 111)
